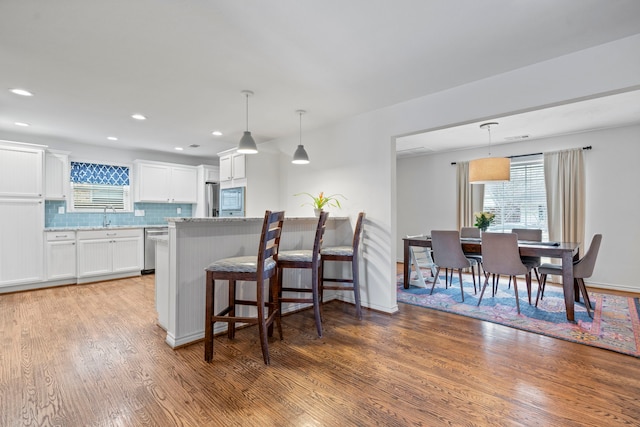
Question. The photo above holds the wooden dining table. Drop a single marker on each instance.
(567, 251)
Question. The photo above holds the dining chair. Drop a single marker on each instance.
(582, 269)
(344, 254)
(303, 259)
(447, 253)
(531, 235)
(473, 233)
(501, 256)
(253, 268)
(420, 257)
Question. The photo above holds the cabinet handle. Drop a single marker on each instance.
(61, 236)
(112, 234)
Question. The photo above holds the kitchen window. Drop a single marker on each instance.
(96, 186)
(521, 202)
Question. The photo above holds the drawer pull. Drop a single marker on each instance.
(61, 236)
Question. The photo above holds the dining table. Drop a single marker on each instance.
(568, 252)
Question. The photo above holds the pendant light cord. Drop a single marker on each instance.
(300, 113)
(247, 95)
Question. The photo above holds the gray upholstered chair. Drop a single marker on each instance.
(255, 268)
(447, 254)
(344, 254)
(582, 269)
(531, 235)
(305, 259)
(472, 233)
(500, 255)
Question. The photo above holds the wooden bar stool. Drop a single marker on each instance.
(345, 254)
(304, 259)
(256, 268)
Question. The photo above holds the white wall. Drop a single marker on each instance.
(426, 186)
(356, 156)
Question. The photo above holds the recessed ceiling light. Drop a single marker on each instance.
(138, 117)
(21, 92)
(216, 133)
(22, 124)
(179, 148)
(194, 145)
(112, 138)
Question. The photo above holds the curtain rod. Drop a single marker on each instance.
(588, 147)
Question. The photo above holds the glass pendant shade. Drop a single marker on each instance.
(247, 145)
(300, 157)
(489, 169)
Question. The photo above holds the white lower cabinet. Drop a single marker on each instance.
(109, 253)
(21, 241)
(61, 255)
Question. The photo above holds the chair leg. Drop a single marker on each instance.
(231, 326)
(276, 293)
(528, 281)
(585, 295)
(473, 275)
(316, 301)
(460, 278)
(541, 285)
(434, 282)
(262, 323)
(486, 282)
(356, 286)
(208, 325)
(515, 288)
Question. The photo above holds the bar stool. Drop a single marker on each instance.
(256, 268)
(303, 259)
(345, 254)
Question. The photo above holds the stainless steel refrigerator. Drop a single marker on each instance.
(212, 199)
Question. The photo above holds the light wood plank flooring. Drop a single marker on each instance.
(92, 355)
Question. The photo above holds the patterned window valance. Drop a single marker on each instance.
(93, 173)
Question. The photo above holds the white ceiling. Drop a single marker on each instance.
(184, 63)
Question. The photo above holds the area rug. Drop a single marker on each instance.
(615, 325)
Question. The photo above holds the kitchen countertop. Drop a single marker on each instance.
(241, 219)
(96, 227)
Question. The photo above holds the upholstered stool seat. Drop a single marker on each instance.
(338, 250)
(241, 264)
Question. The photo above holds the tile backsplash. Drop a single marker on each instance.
(154, 214)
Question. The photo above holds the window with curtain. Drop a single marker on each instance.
(96, 186)
(521, 202)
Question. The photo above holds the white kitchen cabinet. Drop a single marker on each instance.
(60, 255)
(232, 169)
(20, 170)
(56, 172)
(21, 241)
(109, 253)
(165, 183)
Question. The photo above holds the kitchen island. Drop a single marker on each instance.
(194, 243)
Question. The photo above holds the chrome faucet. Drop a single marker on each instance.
(105, 222)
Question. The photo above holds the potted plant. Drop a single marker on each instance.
(321, 201)
(484, 220)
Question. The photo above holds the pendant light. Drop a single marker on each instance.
(489, 169)
(300, 157)
(247, 145)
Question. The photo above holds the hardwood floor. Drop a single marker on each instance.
(93, 355)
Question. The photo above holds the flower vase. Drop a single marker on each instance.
(317, 212)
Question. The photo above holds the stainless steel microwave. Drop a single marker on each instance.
(232, 202)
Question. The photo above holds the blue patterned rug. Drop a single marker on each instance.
(615, 324)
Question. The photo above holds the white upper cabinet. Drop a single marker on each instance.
(165, 183)
(232, 170)
(20, 171)
(56, 173)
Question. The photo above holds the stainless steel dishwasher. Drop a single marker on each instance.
(150, 248)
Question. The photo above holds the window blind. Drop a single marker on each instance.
(96, 186)
(521, 202)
